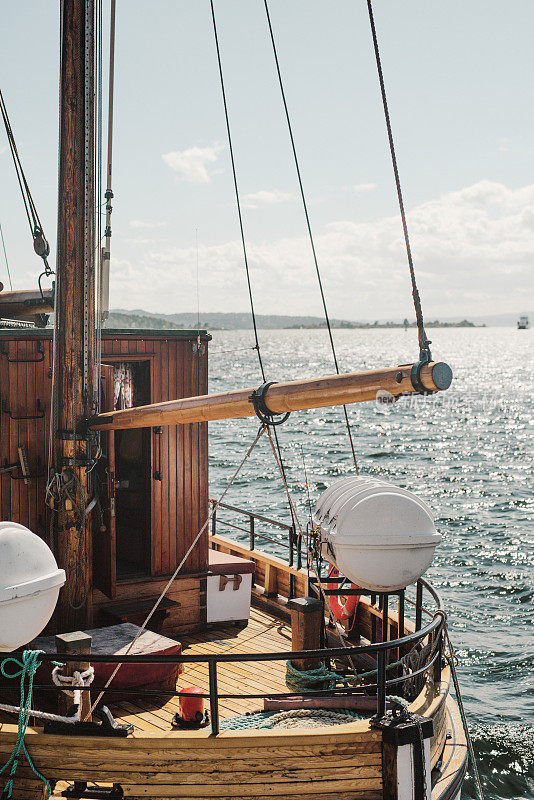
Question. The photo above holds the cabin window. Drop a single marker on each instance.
(132, 473)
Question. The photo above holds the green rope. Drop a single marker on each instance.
(375, 671)
(313, 680)
(322, 679)
(244, 721)
(26, 671)
(262, 720)
(398, 701)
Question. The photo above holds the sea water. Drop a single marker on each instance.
(468, 452)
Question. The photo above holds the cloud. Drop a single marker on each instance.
(473, 251)
(139, 223)
(3, 149)
(364, 187)
(265, 198)
(192, 164)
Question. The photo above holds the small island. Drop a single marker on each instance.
(406, 324)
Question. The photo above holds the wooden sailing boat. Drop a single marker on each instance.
(128, 508)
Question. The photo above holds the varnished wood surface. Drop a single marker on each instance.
(454, 756)
(74, 308)
(180, 499)
(179, 504)
(262, 634)
(159, 761)
(22, 305)
(332, 390)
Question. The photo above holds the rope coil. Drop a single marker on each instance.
(295, 718)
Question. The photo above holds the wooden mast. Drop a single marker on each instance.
(280, 397)
(74, 339)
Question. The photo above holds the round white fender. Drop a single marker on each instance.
(29, 585)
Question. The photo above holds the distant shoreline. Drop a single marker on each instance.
(375, 325)
(144, 320)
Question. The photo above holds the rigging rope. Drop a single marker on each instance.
(40, 243)
(451, 659)
(236, 189)
(180, 565)
(5, 256)
(309, 554)
(308, 223)
(240, 217)
(98, 213)
(105, 253)
(424, 342)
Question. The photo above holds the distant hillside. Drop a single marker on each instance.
(235, 321)
(214, 321)
(143, 320)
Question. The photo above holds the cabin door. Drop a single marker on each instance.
(104, 525)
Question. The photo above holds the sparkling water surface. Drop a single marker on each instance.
(468, 452)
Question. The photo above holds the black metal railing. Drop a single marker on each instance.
(293, 545)
(432, 632)
(381, 623)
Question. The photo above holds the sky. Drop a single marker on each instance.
(459, 77)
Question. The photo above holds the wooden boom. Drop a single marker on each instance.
(334, 390)
(25, 304)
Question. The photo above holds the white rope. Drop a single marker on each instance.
(78, 680)
(307, 718)
(43, 714)
(178, 568)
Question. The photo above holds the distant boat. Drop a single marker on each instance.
(522, 323)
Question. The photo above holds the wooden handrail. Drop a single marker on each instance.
(333, 390)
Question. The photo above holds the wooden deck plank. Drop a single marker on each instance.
(262, 634)
(283, 790)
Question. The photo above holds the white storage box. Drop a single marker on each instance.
(229, 587)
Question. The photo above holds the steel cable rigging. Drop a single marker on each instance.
(240, 218)
(40, 243)
(308, 223)
(424, 342)
(5, 257)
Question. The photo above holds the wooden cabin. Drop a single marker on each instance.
(153, 482)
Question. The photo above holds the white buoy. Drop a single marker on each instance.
(29, 585)
(378, 535)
